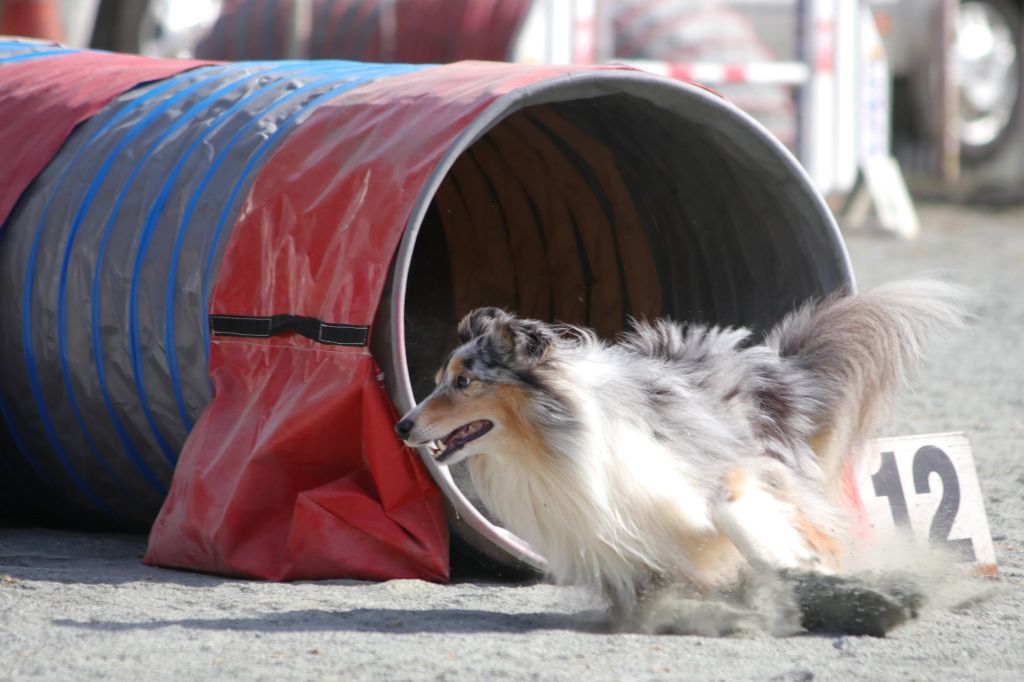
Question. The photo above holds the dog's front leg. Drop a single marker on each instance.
(768, 530)
(625, 601)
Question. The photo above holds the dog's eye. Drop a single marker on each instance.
(461, 381)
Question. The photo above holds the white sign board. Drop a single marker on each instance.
(929, 485)
(893, 205)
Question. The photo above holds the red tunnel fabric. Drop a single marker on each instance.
(36, 121)
(293, 470)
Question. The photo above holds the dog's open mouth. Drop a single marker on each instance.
(457, 439)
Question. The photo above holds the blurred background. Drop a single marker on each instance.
(872, 97)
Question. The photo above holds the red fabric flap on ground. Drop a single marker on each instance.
(44, 98)
(293, 472)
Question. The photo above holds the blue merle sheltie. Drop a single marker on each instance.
(679, 453)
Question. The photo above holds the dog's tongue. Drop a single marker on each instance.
(460, 434)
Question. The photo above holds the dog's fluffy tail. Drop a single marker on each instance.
(858, 350)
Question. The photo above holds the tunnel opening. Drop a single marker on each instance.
(592, 208)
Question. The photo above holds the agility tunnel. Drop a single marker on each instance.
(220, 283)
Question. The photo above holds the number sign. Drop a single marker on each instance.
(929, 486)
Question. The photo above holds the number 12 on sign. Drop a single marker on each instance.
(929, 486)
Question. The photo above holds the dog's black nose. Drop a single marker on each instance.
(404, 428)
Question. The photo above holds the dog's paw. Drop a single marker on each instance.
(867, 604)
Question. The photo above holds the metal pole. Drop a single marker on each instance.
(803, 52)
(300, 24)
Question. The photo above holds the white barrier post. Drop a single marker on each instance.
(585, 31)
(817, 101)
(881, 182)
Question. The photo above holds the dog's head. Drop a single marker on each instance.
(484, 389)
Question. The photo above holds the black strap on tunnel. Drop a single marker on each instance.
(310, 327)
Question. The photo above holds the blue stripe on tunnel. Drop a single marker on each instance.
(42, 410)
(122, 112)
(37, 55)
(184, 119)
(150, 223)
(19, 441)
(216, 73)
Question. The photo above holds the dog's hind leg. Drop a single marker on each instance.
(795, 559)
(769, 530)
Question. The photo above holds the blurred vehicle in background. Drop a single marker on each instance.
(977, 47)
(987, 67)
(987, 53)
(969, 50)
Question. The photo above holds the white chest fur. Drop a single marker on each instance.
(620, 506)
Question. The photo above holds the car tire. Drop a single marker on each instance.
(988, 54)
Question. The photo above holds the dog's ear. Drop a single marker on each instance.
(479, 322)
(530, 340)
(523, 343)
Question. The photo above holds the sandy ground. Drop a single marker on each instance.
(76, 606)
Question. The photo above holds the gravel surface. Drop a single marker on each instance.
(81, 606)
